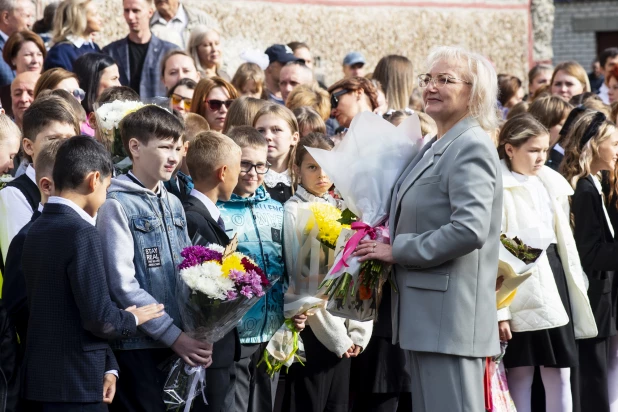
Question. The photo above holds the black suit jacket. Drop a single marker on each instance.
(71, 313)
(598, 253)
(200, 221)
(14, 286)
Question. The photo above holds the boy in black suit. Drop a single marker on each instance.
(68, 364)
(214, 163)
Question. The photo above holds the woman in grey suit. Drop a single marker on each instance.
(445, 218)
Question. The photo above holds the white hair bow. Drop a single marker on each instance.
(257, 57)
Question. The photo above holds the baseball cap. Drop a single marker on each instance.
(353, 58)
(280, 53)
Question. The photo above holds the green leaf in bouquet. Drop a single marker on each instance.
(347, 217)
(520, 250)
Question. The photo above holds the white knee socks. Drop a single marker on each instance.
(612, 374)
(557, 383)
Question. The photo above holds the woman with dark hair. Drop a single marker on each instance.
(350, 96)
(95, 72)
(510, 92)
(181, 95)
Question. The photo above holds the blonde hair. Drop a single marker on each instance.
(8, 128)
(306, 116)
(242, 112)
(194, 125)
(246, 72)
(428, 125)
(517, 131)
(207, 152)
(396, 75)
(70, 19)
(288, 117)
(550, 110)
(484, 82)
(310, 95)
(577, 159)
(572, 69)
(197, 37)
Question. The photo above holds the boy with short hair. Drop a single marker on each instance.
(144, 231)
(181, 183)
(257, 220)
(68, 363)
(213, 160)
(46, 119)
(14, 287)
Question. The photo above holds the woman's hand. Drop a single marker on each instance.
(372, 250)
(146, 313)
(299, 321)
(505, 330)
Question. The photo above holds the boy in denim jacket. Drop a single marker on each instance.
(144, 230)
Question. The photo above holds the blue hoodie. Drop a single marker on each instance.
(258, 222)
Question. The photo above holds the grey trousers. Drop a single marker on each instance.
(447, 383)
(255, 391)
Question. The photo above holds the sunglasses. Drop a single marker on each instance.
(78, 93)
(215, 105)
(334, 98)
(186, 102)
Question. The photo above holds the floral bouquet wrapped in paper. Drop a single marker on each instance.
(519, 254)
(364, 168)
(316, 232)
(216, 287)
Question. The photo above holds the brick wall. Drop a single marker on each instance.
(575, 28)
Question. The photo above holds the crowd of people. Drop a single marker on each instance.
(93, 220)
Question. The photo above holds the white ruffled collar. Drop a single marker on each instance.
(272, 178)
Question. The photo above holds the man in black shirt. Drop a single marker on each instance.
(141, 71)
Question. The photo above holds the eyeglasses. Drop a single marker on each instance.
(215, 105)
(260, 168)
(177, 99)
(334, 98)
(439, 81)
(78, 93)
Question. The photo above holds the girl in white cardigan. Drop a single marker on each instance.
(323, 383)
(551, 309)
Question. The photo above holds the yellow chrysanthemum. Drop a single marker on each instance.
(232, 262)
(326, 216)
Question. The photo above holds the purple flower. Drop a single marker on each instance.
(235, 275)
(247, 292)
(231, 295)
(196, 255)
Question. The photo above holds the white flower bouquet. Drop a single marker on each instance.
(216, 287)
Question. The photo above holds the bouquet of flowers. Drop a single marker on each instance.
(216, 287)
(364, 167)
(108, 117)
(4, 179)
(317, 229)
(519, 253)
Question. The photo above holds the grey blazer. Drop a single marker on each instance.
(446, 211)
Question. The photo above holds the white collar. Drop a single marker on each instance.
(559, 149)
(597, 184)
(181, 17)
(272, 178)
(212, 208)
(303, 194)
(79, 41)
(31, 173)
(81, 212)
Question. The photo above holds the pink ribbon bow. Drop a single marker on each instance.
(362, 230)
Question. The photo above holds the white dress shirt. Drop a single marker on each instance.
(15, 213)
(178, 23)
(212, 208)
(604, 93)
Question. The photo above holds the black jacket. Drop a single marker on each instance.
(200, 221)
(554, 159)
(598, 253)
(71, 313)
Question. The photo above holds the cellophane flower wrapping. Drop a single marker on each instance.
(501, 400)
(316, 233)
(215, 288)
(365, 167)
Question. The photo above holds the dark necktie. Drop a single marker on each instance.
(221, 224)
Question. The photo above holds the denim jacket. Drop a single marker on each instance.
(258, 223)
(143, 234)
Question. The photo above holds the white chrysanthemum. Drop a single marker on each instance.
(208, 279)
(216, 248)
(110, 114)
